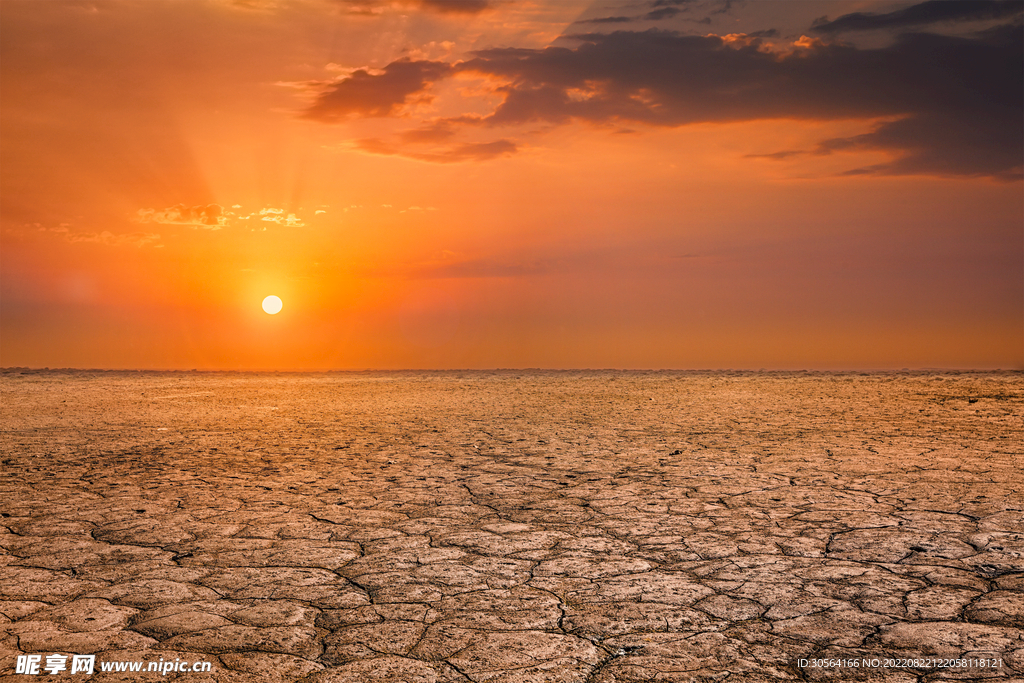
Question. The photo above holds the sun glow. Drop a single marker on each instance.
(272, 304)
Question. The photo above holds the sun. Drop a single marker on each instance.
(272, 304)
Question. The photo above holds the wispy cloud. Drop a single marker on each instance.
(210, 216)
(278, 216)
(376, 7)
(68, 233)
(923, 14)
(606, 20)
(452, 265)
(214, 217)
(135, 239)
(373, 8)
(467, 151)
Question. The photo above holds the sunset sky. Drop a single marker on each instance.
(511, 183)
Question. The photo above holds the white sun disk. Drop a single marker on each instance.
(272, 304)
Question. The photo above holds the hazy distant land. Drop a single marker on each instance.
(516, 526)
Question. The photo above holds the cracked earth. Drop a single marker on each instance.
(513, 527)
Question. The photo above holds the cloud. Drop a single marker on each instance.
(289, 221)
(438, 131)
(374, 7)
(454, 6)
(944, 88)
(65, 231)
(927, 146)
(664, 78)
(213, 216)
(923, 14)
(481, 268)
(784, 154)
(210, 216)
(605, 20)
(272, 215)
(662, 9)
(362, 93)
(663, 13)
(136, 239)
(450, 265)
(467, 151)
(952, 104)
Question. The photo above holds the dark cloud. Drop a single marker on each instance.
(927, 146)
(923, 14)
(455, 6)
(972, 85)
(664, 78)
(373, 7)
(726, 8)
(666, 9)
(606, 20)
(467, 151)
(953, 104)
(663, 13)
(366, 94)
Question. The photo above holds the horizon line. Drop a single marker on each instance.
(22, 369)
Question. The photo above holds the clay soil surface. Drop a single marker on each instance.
(515, 527)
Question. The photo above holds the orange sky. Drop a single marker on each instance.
(474, 183)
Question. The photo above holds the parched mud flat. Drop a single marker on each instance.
(513, 527)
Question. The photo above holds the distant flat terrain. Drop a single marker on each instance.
(509, 527)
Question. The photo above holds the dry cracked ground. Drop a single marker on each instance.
(513, 527)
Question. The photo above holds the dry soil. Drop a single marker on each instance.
(515, 527)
